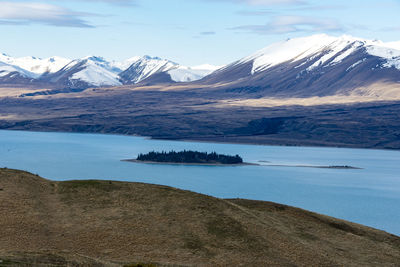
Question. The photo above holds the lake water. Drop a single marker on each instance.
(369, 196)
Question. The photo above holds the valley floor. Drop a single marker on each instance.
(197, 114)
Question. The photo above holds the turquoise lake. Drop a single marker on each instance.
(370, 196)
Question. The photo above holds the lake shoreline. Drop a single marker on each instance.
(273, 143)
(210, 140)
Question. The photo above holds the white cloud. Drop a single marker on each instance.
(288, 24)
(208, 33)
(263, 2)
(270, 2)
(22, 13)
(117, 2)
(255, 13)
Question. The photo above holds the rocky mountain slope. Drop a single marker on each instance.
(109, 223)
(318, 65)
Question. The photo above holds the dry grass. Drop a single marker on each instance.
(373, 93)
(16, 91)
(115, 223)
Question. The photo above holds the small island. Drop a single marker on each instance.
(341, 167)
(189, 157)
(312, 166)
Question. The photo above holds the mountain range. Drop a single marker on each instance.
(317, 65)
(93, 71)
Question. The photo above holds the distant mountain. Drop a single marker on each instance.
(318, 65)
(145, 67)
(95, 71)
(125, 64)
(13, 74)
(190, 74)
(35, 65)
(154, 69)
(394, 45)
(84, 73)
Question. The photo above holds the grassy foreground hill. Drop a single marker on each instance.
(108, 223)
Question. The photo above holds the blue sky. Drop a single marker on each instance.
(189, 32)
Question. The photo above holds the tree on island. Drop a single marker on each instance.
(188, 156)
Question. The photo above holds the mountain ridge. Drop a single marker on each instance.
(319, 65)
(94, 71)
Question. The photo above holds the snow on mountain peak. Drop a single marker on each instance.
(208, 67)
(97, 76)
(392, 56)
(4, 56)
(6, 69)
(123, 65)
(93, 70)
(332, 49)
(36, 65)
(146, 66)
(393, 45)
(184, 74)
(95, 59)
(190, 74)
(289, 50)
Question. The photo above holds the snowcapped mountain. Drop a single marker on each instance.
(394, 45)
(93, 71)
(154, 69)
(34, 65)
(13, 74)
(123, 65)
(317, 65)
(145, 67)
(83, 73)
(190, 74)
(27, 70)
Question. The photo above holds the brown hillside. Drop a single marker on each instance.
(107, 223)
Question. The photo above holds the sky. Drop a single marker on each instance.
(189, 32)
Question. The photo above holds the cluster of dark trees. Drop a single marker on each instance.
(188, 156)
